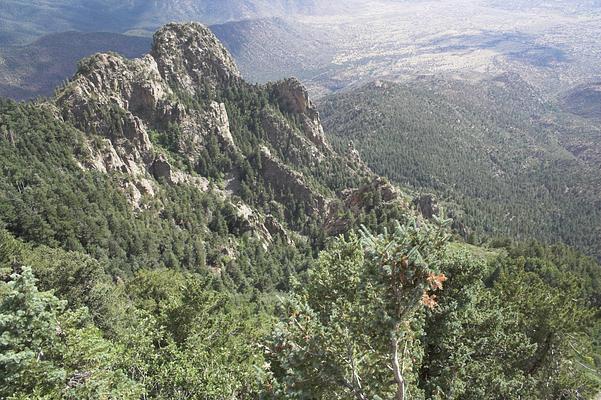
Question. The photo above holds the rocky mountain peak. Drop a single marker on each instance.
(293, 98)
(123, 100)
(162, 119)
(191, 57)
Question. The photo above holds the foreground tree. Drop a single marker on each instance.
(50, 352)
(354, 329)
(186, 341)
(473, 344)
(552, 313)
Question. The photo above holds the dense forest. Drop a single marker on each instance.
(258, 263)
(493, 150)
(518, 323)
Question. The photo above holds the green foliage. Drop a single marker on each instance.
(353, 330)
(517, 327)
(196, 342)
(172, 298)
(551, 314)
(472, 343)
(47, 198)
(170, 336)
(49, 352)
(478, 147)
(504, 330)
(520, 332)
(30, 343)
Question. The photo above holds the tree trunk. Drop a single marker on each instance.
(396, 368)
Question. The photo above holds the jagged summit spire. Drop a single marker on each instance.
(189, 54)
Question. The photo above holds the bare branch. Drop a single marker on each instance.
(398, 373)
(359, 395)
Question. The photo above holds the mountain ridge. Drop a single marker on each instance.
(494, 150)
(169, 230)
(286, 48)
(140, 15)
(183, 117)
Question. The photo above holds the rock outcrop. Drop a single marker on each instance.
(355, 158)
(426, 205)
(293, 98)
(278, 175)
(374, 194)
(114, 98)
(162, 119)
(123, 100)
(161, 169)
(295, 148)
(191, 59)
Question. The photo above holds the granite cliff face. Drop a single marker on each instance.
(190, 58)
(293, 97)
(122, 100)
(183, 115)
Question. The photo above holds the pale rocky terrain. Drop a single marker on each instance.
(552, 48)
(333, 45)
(118, 103)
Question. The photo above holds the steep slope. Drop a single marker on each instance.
(38, 68)
(584, 100)
(174, 160)
(272, 48)
(155, 209)
(490, 147)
